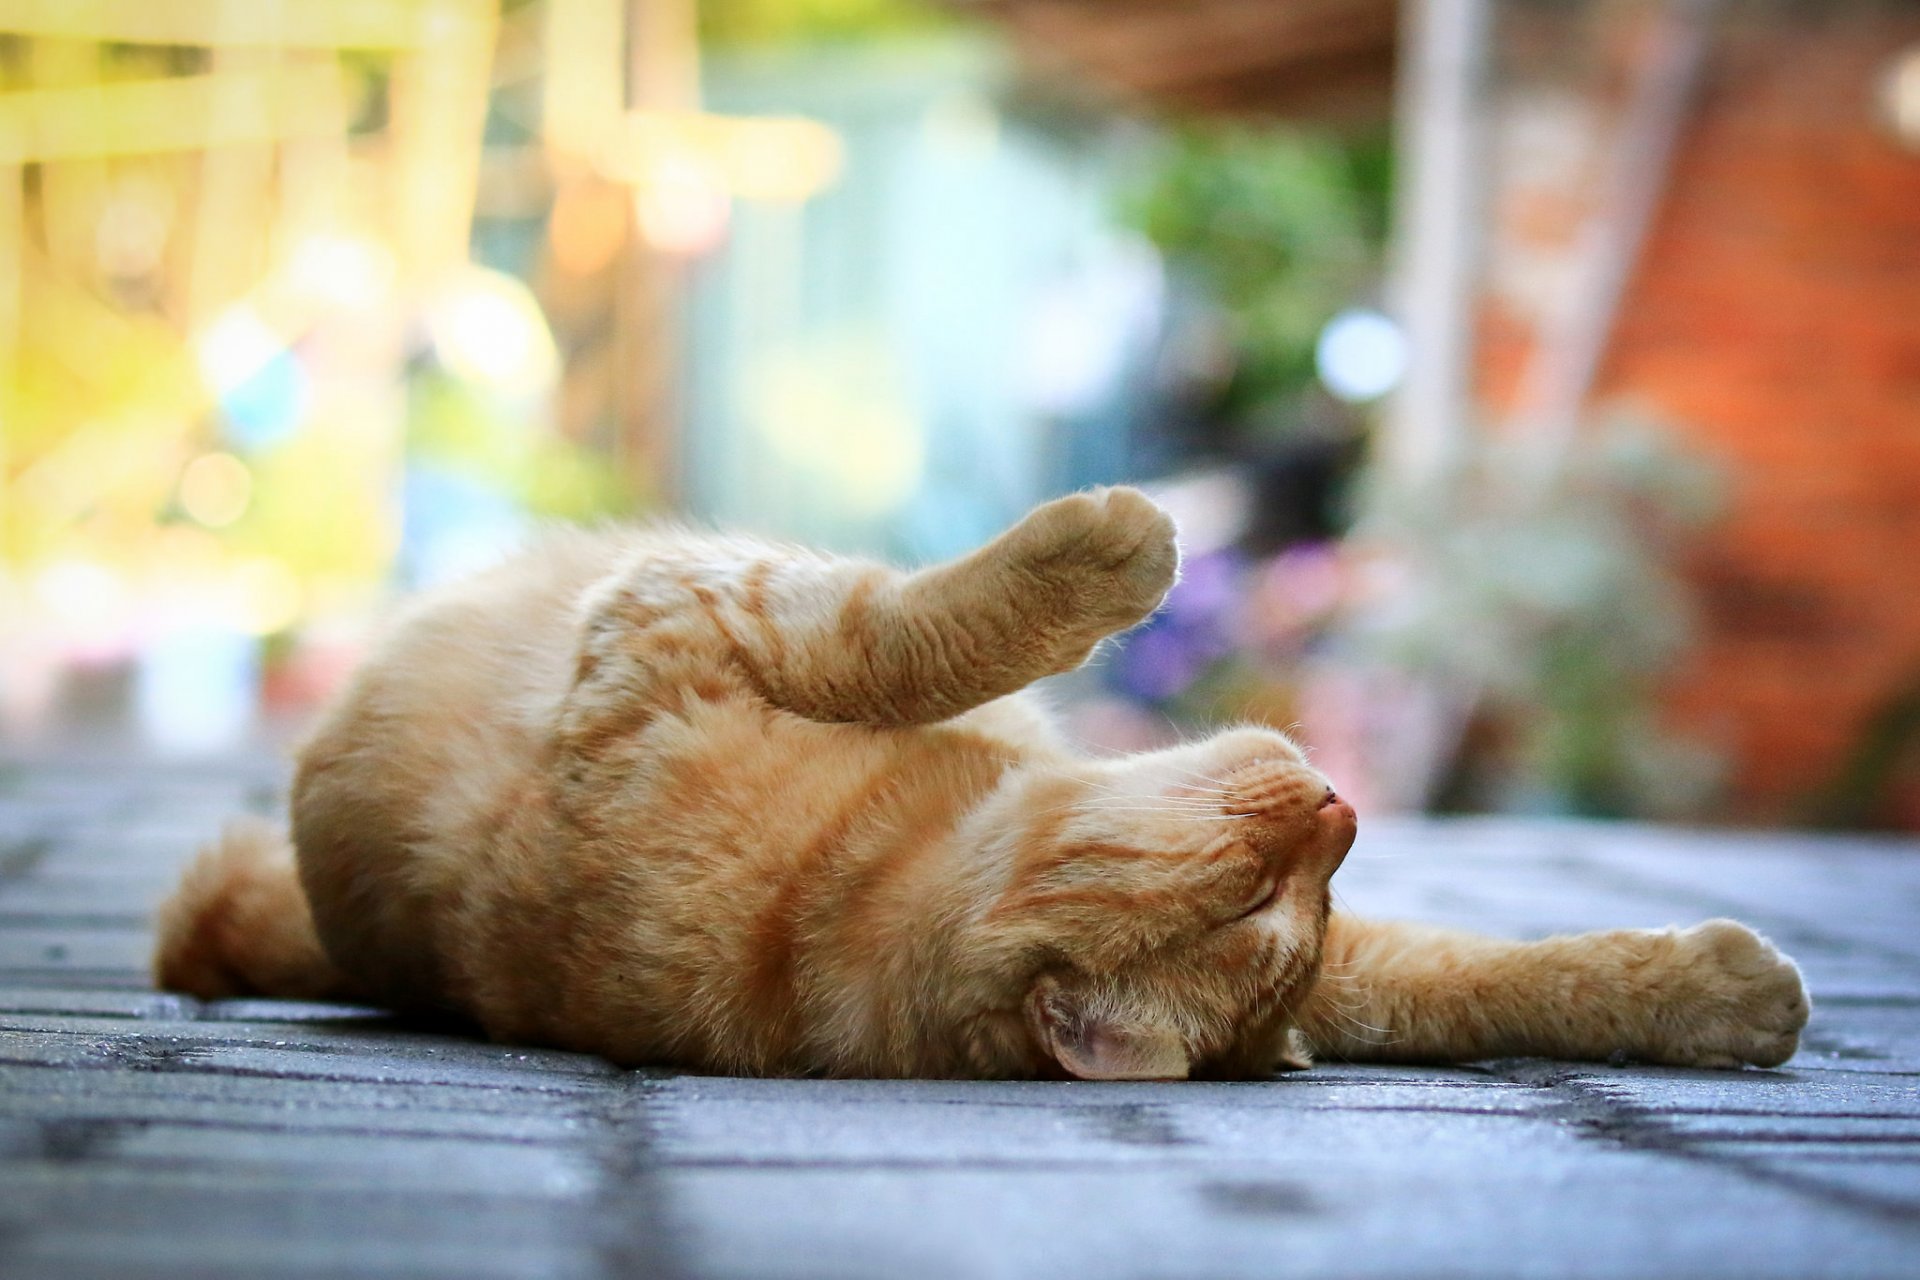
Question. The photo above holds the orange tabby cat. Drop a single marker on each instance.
(685, 799)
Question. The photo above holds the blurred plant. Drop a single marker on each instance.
(1234, 635)
(1877, 786)
(1546, 593)
(459, 428)
(749, 22)
(1281, 230)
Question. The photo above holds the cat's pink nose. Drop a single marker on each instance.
(1337, 827)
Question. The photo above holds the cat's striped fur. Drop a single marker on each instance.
(679, 798)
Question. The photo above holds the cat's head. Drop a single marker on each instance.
(1158, 916)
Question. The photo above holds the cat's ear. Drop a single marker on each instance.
(1094, 1046)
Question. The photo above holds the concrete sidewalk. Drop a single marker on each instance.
(147, 1135)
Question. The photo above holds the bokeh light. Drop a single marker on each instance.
(488, 328)
(1361, 355)
(256, 380)
(682, 204)
(215, 489)
(588, 226)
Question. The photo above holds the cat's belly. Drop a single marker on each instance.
(414, 770)
(717, 907)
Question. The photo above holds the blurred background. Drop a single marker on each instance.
(1537, 382)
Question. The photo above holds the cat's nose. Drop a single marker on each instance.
(1335, 827)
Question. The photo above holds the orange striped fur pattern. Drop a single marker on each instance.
(677, 798)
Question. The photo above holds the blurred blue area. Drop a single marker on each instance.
(267, 406)
(911, 359)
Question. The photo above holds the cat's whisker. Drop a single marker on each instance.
(1129, 797)
(1217, 785)
(1368, 1028)
(1192, 815)
(1347, 1008)
(1107, 788)
(1119, 806)
(1166, 802)
(1211, 778)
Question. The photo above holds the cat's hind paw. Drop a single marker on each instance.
(1732, 999)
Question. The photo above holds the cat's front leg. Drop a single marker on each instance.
(1715, 995)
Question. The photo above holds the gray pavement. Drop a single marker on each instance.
(143, 1134)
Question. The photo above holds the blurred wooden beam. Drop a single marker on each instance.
(439, 105)
(584, 90)
(70, 195)
(13, 233)
(1333, 88)
(1158, 48)
(329, 24)
(180, 113)
(1320, 58)
(235, 191)
(663, 75)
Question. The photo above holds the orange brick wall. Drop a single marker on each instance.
(1776, 318)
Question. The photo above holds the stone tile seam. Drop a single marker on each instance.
(258, 1074)
(1594, 1108)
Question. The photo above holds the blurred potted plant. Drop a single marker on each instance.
(1276, 232)
(1544, 596)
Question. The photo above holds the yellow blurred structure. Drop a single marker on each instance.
(227, 226)
(189, 195)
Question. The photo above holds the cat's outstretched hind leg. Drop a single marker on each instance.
(852, 641)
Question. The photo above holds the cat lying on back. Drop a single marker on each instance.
(674, 798)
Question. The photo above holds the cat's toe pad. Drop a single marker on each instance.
(1114, 548)
(1735, 999)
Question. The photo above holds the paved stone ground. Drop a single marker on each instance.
(146, 1135)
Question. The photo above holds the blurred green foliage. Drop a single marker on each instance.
(761, 22)
(1281, 229)
(466, 431)
(1547, 587)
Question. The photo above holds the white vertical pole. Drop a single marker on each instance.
(1573, 342)
(663, 75)
(1438, 221)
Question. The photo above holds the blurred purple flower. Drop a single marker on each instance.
(1193, 631)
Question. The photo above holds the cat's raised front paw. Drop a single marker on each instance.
(1729, 998)
(1114, 549)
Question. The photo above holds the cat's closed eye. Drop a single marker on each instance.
(1264, 894)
